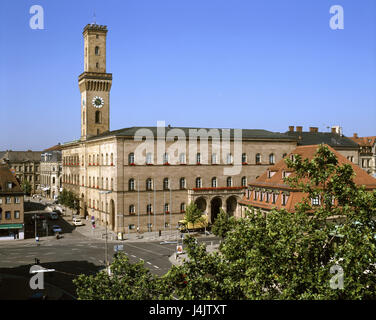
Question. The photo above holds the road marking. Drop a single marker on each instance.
(156, 267)
(133, 256)
(148, 262)
(139, 248)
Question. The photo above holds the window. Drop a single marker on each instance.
(97, 65)
(258, 158)
(131, 209)
(244, 158)
(166, 208)
(112, 159)
(182, 158)
(214, 182)
(244, 181)
(261, 196)
(182, 183)
(131, 185)
(272, 158)
(97, 51)
(284, 199)
(229, 158)
(130, 158)
(149, 159)
(8, 200)
(17, 200)
(274, 197)
(149, 184)
(165, 158)
(198, 183)
(267, 196)
(98, 117)
(7, 215)
(149, 209)
(214, 158)
(198, 158)
(229, 182)
(255, 195)
(315, 201)
(182, 207)
(284, 155)
(165, 184)
(1, 200)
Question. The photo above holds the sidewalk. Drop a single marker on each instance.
(178, 260)
(99, 232)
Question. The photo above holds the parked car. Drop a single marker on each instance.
(56, 228)
(77, 222)
(54, 215)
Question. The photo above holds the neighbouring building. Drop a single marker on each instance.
(11, 206)
(335, 139)
(103, 169)
(367, 153)
(25, 165)
(270, 191)
(51, 171)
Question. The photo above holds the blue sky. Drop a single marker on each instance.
(213, 63)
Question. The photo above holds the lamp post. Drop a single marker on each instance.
(105, 248)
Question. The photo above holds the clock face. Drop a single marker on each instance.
(98, 102)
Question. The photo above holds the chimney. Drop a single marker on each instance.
(334, 130)
(291, 128)
(355, 135)
(313, 129)
(299, 128)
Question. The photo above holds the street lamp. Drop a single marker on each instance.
(105, 248)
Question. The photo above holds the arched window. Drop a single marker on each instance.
(271, 158)
(131, 209)
(106, 159)
(198, 158)
(149, 184)
(182, 183)
(244, 181)
(112, 158)
(131, 185)
(258, 158)
(131, 158)
(229, 182)
(165, 184)
(198, 183)
(98, 117)
(97, 51)
(214, 182)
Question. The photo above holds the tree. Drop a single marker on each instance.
(126, 282)
(193, 214)
(279, 255)
(26, 187)
(222, 224)
(282, 255)
(69, 199)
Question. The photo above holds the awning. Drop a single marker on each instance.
(11, 226)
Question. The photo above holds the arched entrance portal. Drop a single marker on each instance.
(201, 204)
(231, 205)
(216, 205)
(112, 214)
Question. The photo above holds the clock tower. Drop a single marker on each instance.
(95, 83)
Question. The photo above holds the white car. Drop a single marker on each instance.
(77, 222)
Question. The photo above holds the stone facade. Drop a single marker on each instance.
(11, 206)
(25, 165)
(51, 171)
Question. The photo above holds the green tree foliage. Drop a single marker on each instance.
(193, 214)
(127, 282)
(278, 255)
(69, 199)
(26, 187)
(222, 224)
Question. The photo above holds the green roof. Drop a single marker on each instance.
(11, 226)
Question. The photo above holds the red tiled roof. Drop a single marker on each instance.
(275, 182)
(7, 176)
(58, 147)
(364, 141)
